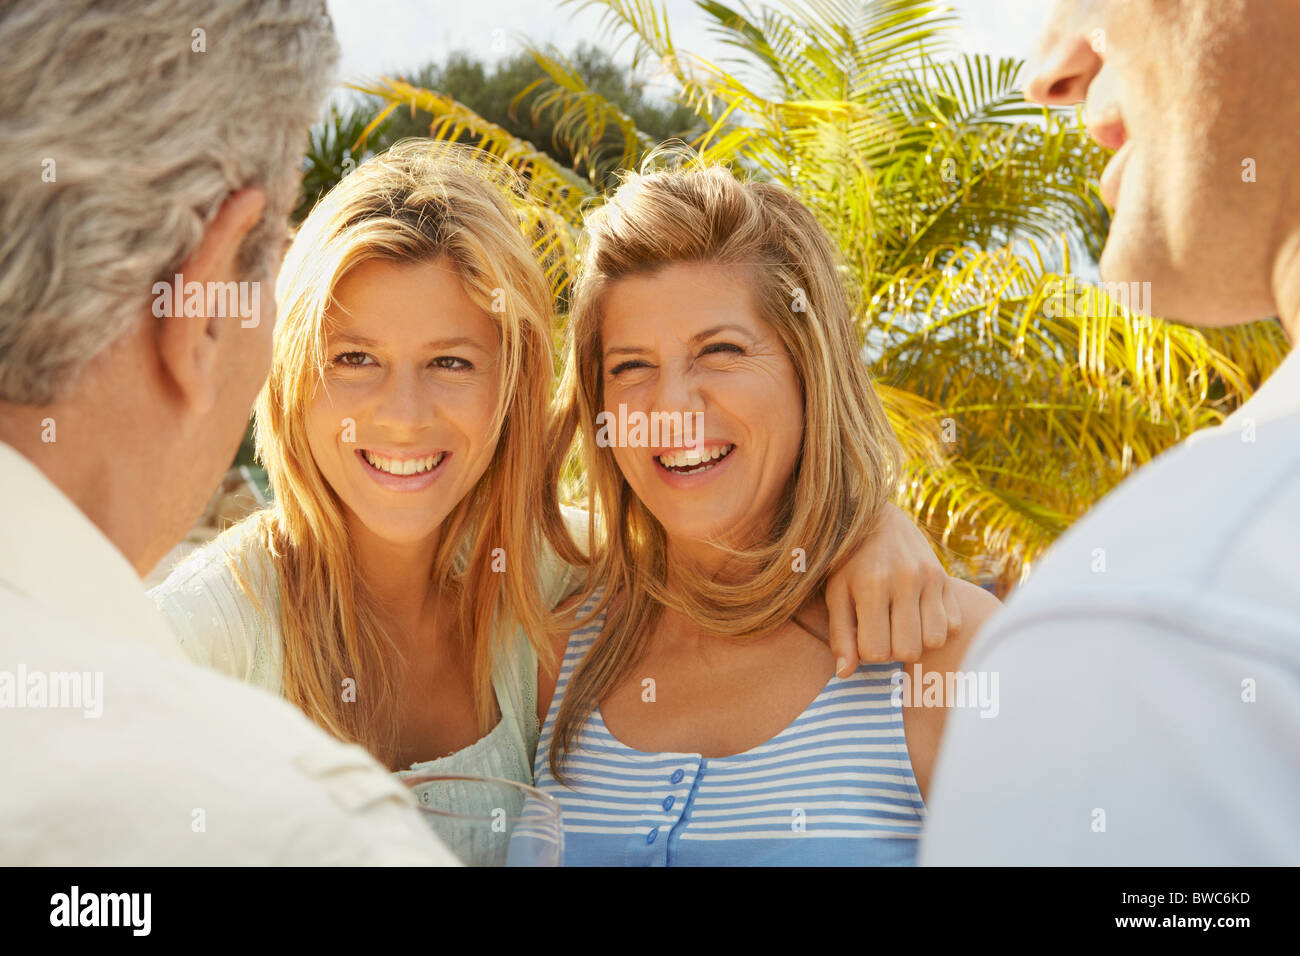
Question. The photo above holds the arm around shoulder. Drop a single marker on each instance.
(924, 718)
(977, 606)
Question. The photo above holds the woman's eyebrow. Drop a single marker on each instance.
(695, 339)
(626, 350)
(454, 342)
(714, 330)
(447, 343)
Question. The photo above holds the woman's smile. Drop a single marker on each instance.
(691, 467)
(418, 387)
(403, 471)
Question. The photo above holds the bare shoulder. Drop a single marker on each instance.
(976, 605)
(924, 724)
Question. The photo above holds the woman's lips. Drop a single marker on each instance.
(694, 478)
(1112, 175)
(404, 482)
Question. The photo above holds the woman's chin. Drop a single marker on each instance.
(399, 530)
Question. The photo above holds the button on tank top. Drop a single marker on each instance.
(835, 788)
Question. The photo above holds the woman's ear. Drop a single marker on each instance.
(188, 345)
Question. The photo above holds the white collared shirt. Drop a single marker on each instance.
(116, 750)
(1148, 673)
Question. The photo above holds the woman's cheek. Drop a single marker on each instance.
(626, 467)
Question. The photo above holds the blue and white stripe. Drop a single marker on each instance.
(834, 788)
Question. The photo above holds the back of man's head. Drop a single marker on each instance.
(125, 126)
(140, 139)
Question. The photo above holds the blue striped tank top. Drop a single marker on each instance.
(835, 788)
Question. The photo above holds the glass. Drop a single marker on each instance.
(489, 821)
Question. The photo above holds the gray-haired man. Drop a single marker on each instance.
(141, 142)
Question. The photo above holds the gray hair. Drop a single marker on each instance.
(123, 128)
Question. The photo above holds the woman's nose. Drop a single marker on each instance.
(402, 405)
(676, 392)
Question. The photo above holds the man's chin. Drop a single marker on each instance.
(1158, 280)
(1138, 276)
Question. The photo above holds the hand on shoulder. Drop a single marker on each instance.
(976, 605)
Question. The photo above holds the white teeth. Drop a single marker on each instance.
(690, 456)
(409, 466)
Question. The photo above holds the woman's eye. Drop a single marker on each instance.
(722, 347)
(350, 359)
(625, 366)
(453, 363)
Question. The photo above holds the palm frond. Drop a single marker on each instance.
(550, 182)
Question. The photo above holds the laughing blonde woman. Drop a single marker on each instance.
(400, 587)
(694, 720)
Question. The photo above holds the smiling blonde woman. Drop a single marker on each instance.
(695, 721)
(398, 610)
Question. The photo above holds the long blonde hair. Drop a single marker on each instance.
(415, 203)
(704, 214)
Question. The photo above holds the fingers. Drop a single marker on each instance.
(952, 606)
(874, 629)
(905, 622)
(843, 625)
(935, 623)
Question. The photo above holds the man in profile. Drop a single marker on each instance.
(147, 142)
(1150, 706)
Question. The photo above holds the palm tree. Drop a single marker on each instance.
(1022, 394)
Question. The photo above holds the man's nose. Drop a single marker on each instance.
(1070, 65)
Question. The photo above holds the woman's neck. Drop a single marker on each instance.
(694, 559)
(398, 574)
(700, 559)
(697, 559)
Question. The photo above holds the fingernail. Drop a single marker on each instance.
(840, 664)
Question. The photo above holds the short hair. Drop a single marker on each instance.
(123, 128)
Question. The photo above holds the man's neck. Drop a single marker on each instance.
(108, 485)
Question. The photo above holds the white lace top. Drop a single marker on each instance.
(219, 627)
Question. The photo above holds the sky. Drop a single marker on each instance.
(389, 36)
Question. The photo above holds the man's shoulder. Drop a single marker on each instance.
(242, 546)
(1184, 516)
(1209, 532)
(127, 756)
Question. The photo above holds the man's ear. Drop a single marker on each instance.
(188, 345)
